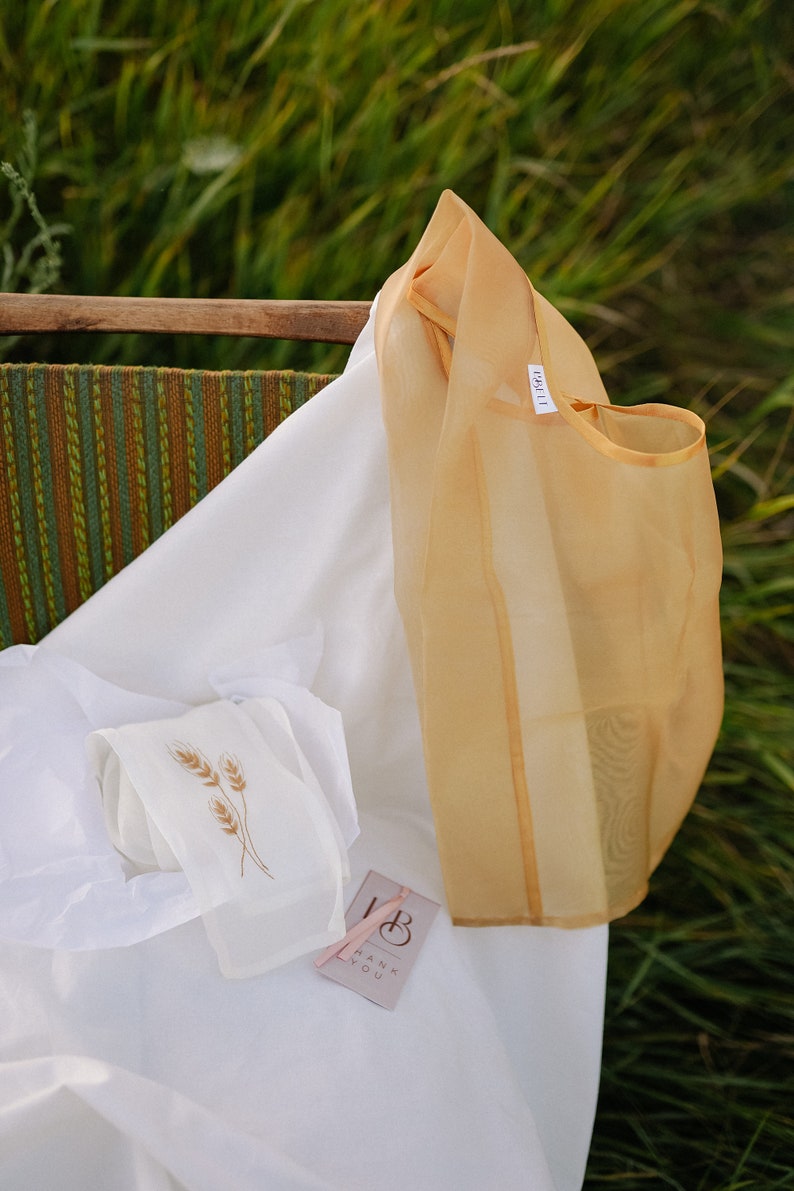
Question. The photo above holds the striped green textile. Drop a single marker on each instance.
(97, 462)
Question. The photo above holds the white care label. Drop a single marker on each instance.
(538, 387)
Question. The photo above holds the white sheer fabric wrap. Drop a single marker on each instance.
(226, 794)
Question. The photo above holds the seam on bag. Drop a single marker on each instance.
(437, 326)
(510, 688)
(430, 311)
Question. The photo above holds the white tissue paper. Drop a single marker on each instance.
(108, 840)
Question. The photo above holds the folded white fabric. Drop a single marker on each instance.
(63, 883)
(225, 793)
(126, 1059)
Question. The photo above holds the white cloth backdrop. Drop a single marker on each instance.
(138, 1067)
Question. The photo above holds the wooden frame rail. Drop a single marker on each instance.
(322, 322)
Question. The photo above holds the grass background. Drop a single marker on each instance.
(636, 157)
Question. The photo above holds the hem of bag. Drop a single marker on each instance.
(563, 921)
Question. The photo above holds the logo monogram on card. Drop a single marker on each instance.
(395, 930)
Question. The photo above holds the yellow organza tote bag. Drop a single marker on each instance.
(557, 569)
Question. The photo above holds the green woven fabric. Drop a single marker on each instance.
(97, 462)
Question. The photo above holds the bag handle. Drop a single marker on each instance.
(573, 411)
(442, 329)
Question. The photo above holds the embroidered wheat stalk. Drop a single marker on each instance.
(226, 817)
(232, 770)
(222, 806)
(194, 762)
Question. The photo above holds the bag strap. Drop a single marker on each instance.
(581, 416)
(573, 411)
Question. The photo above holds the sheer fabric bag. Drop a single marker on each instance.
(557, 574)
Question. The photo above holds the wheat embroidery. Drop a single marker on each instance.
(222, 805)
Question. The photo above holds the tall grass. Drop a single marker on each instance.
(635, 155)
